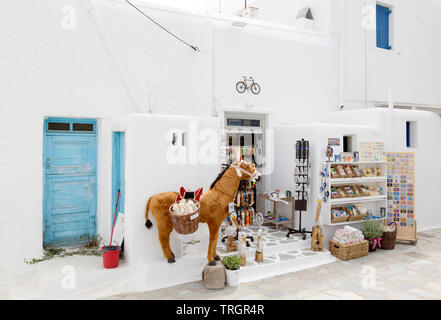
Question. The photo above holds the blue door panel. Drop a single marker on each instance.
(71, 194)
(70, 153)
(118, 175)
(69, 205)
(70, 217)
(383, 17)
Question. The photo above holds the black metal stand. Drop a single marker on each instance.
(302, 174)
(300, 230)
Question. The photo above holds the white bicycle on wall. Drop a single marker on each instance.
(242, 86)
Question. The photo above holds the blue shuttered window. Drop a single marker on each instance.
(383, 24)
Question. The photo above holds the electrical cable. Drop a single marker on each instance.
(163, 28)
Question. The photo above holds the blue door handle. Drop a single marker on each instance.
(48, 166)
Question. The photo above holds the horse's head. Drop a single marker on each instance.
(246, 171)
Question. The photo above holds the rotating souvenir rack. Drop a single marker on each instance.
(301, 181)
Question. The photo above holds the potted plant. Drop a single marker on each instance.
(373, 231)
(232, 266)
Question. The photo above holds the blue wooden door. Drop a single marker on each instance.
(118, 142)
(70, 181)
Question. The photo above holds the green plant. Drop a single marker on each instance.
(89, 248)
(372, 230)
(231, 262)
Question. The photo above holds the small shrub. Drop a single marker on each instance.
(372, 229)
(231, 262)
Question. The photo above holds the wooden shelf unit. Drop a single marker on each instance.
(374, 202)
(276, 212)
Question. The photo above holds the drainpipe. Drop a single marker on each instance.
(116, 58)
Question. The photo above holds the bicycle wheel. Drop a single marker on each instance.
(241, 87)
(255, 88)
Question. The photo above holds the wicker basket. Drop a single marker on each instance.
(186, 223)
(339, 219)
(349, 251)
(357, 218)
(388, 239)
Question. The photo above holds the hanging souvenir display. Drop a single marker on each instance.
(372, 152)
(301, 184)
(324, 182)
(401, 194)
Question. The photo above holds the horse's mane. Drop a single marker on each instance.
(219, 176)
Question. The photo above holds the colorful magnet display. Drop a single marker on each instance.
(401, 188)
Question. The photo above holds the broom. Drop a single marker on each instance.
(317, 239)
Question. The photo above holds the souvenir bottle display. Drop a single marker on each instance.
(245, 201)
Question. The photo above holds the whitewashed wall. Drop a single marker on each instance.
(50, 70)
(295, 71)
(122, 64)
(411, 69)
(150, 169)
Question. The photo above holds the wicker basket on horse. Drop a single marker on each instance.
(185, 223)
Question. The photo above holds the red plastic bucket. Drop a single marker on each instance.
(110, 257)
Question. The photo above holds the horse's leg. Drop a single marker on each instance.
(213, 239)
(215, 255)
(214, 234)
(164, 230)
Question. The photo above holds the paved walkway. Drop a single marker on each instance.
(408, 272)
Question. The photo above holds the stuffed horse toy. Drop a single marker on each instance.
(213, 209)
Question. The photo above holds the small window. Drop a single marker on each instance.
(83, 127)
(411, 134)
(347, 144)
(184, 138)
(243, 122)
(383, 27)
(59, 126)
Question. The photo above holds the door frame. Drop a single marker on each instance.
(49, 132)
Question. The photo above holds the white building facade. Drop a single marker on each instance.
(101, 60)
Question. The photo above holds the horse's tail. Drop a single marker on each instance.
(148, 223)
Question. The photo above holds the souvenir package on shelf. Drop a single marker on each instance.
(352, 191)
(339, 215)
(353, 171)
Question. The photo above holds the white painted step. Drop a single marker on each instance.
(282, 263)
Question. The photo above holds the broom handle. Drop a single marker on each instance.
(317, 212)
(114, 216)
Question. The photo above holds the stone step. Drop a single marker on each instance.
(282, 263)
(271, 246)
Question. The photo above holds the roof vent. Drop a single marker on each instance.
(305, 13)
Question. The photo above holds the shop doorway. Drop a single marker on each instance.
(118, 174)
(70, 175)
(246, 133)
